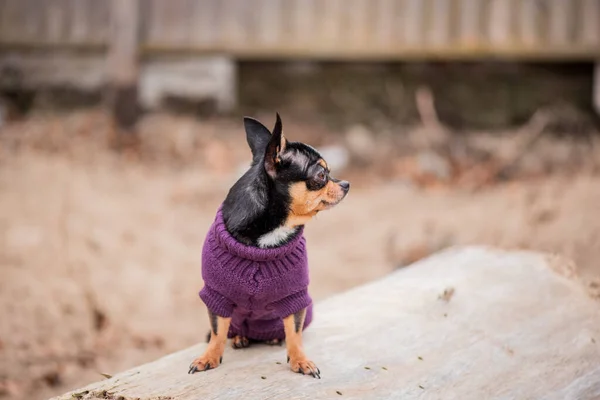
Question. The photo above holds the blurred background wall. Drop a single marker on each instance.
(457, 122)
(206, 52)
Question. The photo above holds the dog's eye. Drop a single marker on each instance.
(321, 177)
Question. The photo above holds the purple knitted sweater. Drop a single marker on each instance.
(256, 287)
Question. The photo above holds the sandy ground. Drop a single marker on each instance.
(100, 255)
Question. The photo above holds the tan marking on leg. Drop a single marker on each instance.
(214, 351)
(293, 340)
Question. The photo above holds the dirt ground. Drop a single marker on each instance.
(100, 251)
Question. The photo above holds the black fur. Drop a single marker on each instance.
(258, 136)
(299, 320)
(259, 201)
(214, 323)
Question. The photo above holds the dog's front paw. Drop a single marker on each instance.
(240, 342)
(208, 360)
(274, 342)
(304, 366)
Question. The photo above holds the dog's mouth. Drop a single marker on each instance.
(332, 201)
(326, 205)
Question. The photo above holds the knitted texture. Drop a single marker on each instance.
(256, 287)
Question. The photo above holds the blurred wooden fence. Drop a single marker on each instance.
(334, 29)
(188, 48)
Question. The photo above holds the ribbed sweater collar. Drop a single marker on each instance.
(226, 240)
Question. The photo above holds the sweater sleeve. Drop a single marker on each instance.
(216, 302)
(292, 304)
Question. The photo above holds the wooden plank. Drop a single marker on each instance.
(233, 16)
(269, 24)
(39, 70)
(168, 22)
(189, 29)
(470, 323)
(303, 21)
(7, 20)
(3, 16)
(99, 21)
(400, 52)
(190, 78)
(558, 23)
(332, 29)
(56, 20)
(439, 32)
(123, 62)
(31, 18)
(80, 21)
(203, 29)
(356, 28)
(470, 20)
(386, 21)
(151, 11)
(529, 32)
(412, 20)
(330, 23)
(590, 19)
(500, 26)
(178, 21)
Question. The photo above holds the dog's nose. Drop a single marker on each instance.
(345, 185)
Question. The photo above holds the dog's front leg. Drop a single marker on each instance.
(293, 325)
(213, 355)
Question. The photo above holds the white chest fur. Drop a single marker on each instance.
(276, 237)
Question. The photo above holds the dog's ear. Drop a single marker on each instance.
(275, 147)
(258, 137)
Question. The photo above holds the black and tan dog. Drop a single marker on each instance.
(254, 261)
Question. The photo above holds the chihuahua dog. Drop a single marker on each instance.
(254, 262)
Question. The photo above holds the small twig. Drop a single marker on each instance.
(446, 296)
(531, 133)
(436, 134)
(426, 108)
